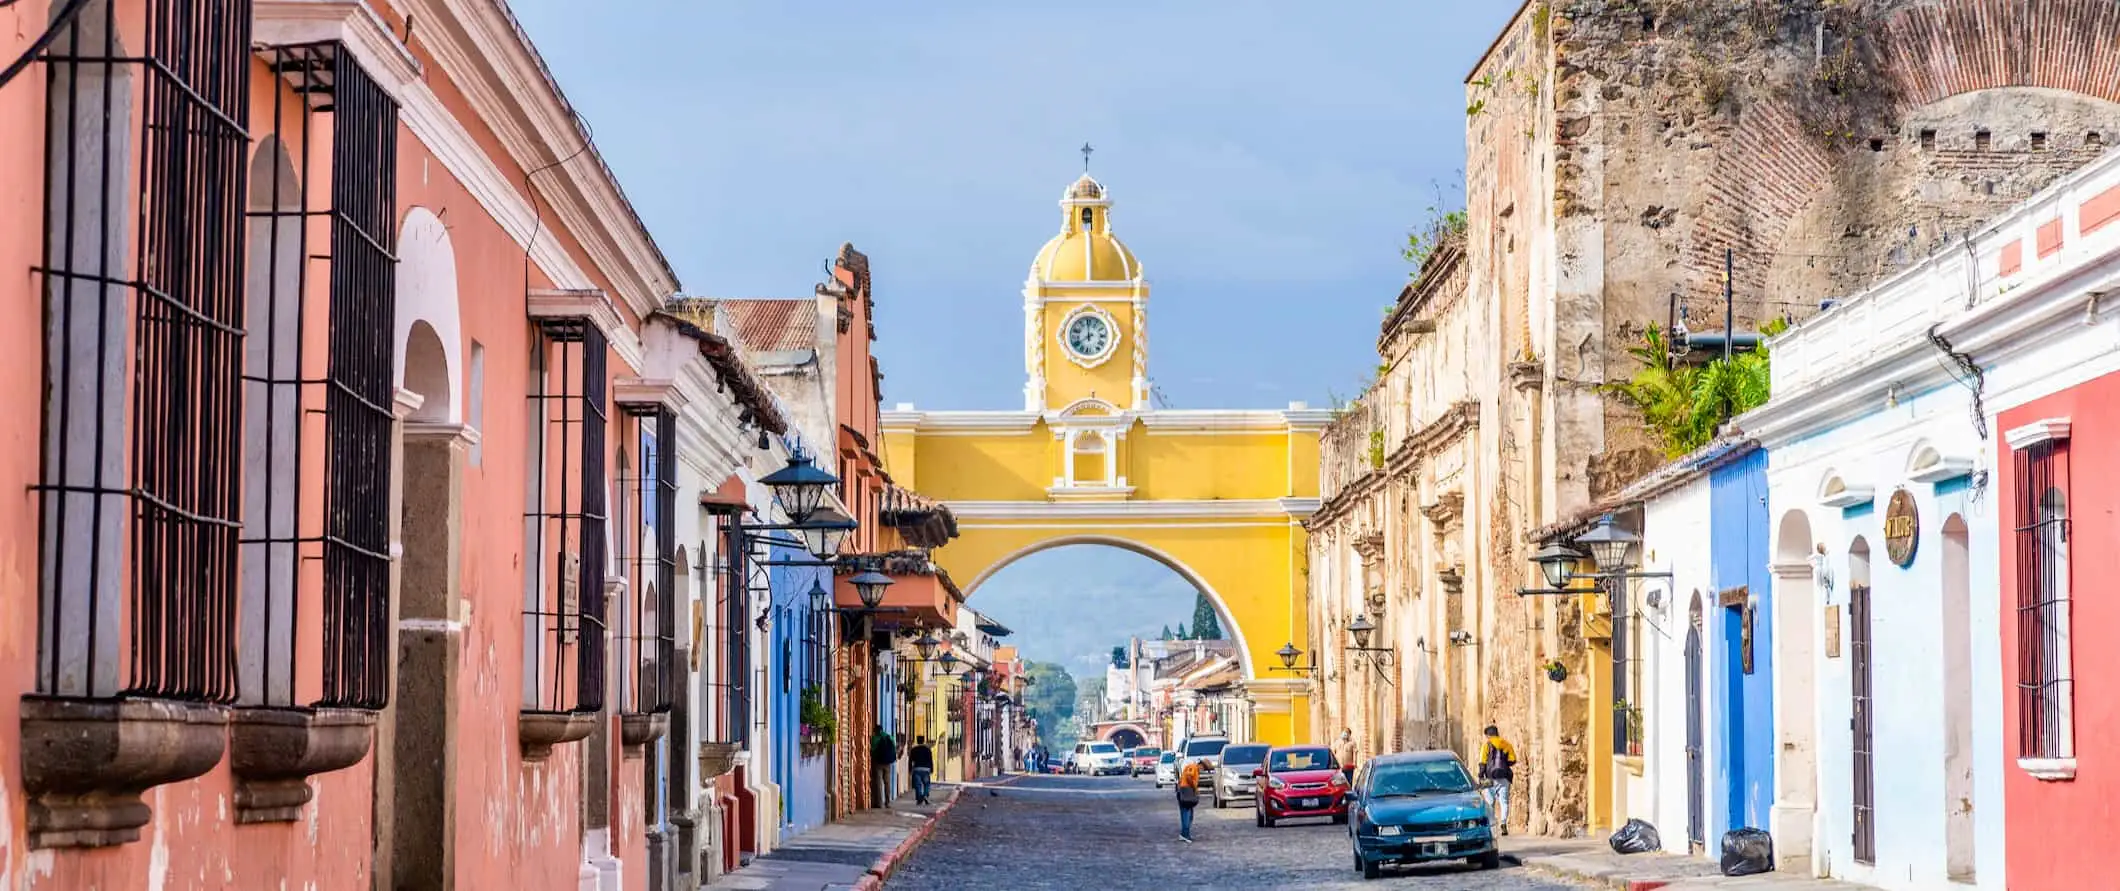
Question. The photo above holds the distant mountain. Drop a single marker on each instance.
(1072, 604)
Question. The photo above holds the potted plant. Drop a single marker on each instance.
(1555, 671)
(818, 723)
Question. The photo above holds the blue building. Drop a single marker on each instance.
(798, 659)
(1741, 674)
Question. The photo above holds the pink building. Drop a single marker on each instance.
(346, 426)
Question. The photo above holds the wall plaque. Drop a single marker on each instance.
(1832, 632)
(1902, 528)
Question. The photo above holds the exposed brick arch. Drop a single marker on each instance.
(1769, 172)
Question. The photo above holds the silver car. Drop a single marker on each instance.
(1167, 770)
(1233, 779)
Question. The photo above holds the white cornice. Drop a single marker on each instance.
(350, 22)
(965, 421)
(1129, 510)
(2036, 432)
(640, 391)
(497, 71)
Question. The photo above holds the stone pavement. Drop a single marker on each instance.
(1074, 833)
(853, 853)
(1592, 860)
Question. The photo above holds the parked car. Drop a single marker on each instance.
(1202, 750)
(1098, 758)
(1143, 759)
(1300, 781)
(1059, 765)
(1418, 807)
(1233, 779)
(1167, 769)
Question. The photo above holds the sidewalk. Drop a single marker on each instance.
(858, 852)
(1593, 860)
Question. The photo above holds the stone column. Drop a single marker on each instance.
(422, 722)
(599, 865)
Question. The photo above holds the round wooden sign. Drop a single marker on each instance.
(1902, 528)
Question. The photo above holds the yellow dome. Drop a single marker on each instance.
(1085, 250)
(1085, 257)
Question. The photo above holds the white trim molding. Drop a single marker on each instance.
(2052, 770)
(1132, 510)
(910, 421)
(351, 22)
(638, 391)
(2036, 432)
(1836, 491)
(1928, 464)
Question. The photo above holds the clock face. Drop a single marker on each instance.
(1088, 336)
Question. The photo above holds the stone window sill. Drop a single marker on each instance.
(540, 731)
(86, 761)
(2049, 769)
(637, 730)
(272, 752)
(1632, 763)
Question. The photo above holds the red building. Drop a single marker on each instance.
(2050, 352)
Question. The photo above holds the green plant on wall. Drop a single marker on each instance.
(815, 716)
(1684, 405)
(1376, 449)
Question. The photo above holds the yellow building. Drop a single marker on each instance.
(1218, 496)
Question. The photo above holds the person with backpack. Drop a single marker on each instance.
(1497, 769)
(1188, 798)
(883, 752)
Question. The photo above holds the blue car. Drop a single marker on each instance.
(1418, 807)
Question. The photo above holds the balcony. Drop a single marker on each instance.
(920, 593)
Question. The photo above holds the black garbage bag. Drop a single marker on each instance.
(1637, 837)
(1747, 852)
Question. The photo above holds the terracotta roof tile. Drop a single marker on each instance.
(769, 324)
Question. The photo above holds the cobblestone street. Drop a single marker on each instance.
(1068, 832)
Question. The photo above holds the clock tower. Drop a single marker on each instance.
(1085, 314)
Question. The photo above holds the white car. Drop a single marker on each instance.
(1167, 770)
(1098, 759)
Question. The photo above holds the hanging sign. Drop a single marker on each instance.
(1902, 528)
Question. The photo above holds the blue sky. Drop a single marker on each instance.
(1266, 160)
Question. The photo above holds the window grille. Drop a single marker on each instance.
(2045, 690)
(564, 613)
(143, 299)
(733, 568)
(1627, 686)
(652, 637)
(353, 394)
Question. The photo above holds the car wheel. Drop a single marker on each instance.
(1266, 819)
(1372, 870)
(1491, 860)
(1339, 818)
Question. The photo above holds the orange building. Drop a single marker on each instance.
(349, 523)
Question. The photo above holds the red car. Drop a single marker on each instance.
(1143, 760)
(1300, 781)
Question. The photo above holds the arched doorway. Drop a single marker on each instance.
(1797, 561)
(1959, 843)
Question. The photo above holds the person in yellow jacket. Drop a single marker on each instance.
(1188, 798)
(1497, 769)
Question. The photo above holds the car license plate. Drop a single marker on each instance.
(1315, 802)
(1435, 849)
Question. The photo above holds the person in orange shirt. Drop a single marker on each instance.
(1188, 798)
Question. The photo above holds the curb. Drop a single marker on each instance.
(1605, 878)
(883, 867)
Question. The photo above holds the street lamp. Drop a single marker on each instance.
(1557, 563)
(1608, 544)
(1360, 630)
(824, 531)
(820, 599)
(799, 487)
(949, 662)
(925, 646)
(869, 584)
(1379, 658)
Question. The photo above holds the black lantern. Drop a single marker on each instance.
(820, 599)
(1360, 628)
(925, 646)
(825, 531)
(869, 584)
(949, 662)
(1608, 544)
(1557, 563)
(1288, 654)
(799, 487)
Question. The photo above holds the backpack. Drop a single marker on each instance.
(1497, 764)
(1189, 785)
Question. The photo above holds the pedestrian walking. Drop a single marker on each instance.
(1343, 750)
(922, 760)
(883, 752)
(1188, 798)
(1497, 769)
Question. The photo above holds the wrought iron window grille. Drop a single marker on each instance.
(2045, 690)
(650, 623)
(565, 613)
(353, 394)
